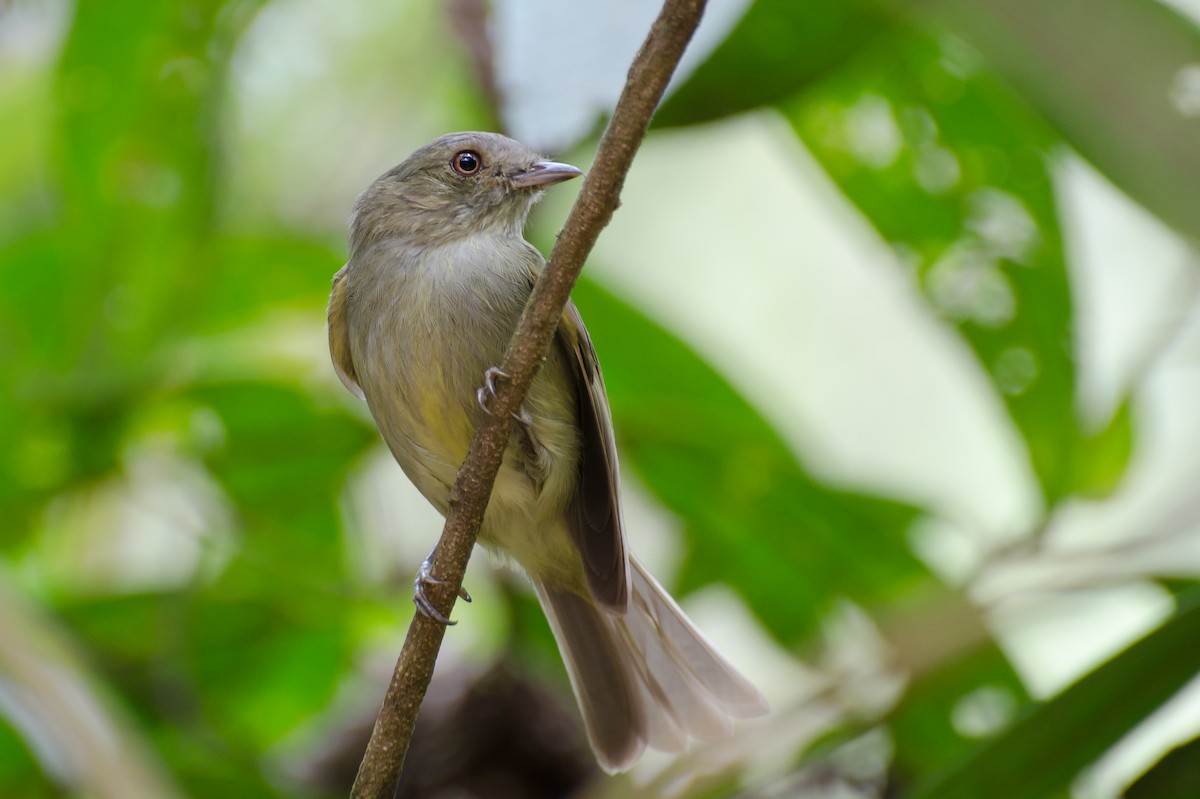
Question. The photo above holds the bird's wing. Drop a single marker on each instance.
(339, 335)
(594, 514)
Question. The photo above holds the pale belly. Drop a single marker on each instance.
(420, 373)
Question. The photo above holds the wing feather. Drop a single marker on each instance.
(339, 335)
(594, 514)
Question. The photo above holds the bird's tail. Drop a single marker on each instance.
(646, 678)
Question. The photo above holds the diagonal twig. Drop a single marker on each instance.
(379, 773)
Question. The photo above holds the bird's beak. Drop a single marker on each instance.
(545, 173)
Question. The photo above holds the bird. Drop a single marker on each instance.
(419, 317)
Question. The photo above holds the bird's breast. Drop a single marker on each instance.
(425, 324)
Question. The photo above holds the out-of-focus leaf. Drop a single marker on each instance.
(952, 170)
(1179, 586)
(19, 772)
(1101, 457)
(37, 453)
(283, 462)
(92, 294)
(926, 738)
(1116, 77)
(1048, 747)
(1175, 776)
(752, 514)
(74, 728)
(206, 767)
(777, 48)
(225, 671)
(280, 663)
(137, 84)
(248, 275)
(61, 424)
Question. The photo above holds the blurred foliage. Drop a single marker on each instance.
(952, 171)
(180, 466)
(1174, 777)
(1125, 58)
(923, 722)
(777, 48)
(661, 394)
(1044, 751)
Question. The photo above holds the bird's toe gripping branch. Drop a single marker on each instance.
(421, 600)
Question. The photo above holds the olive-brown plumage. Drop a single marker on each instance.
(438, 274)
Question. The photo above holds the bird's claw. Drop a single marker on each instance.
(486, 395)
(422, 601)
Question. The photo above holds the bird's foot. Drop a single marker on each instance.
(424, 578)
(535, 455)
(524, 419)
(486, 395)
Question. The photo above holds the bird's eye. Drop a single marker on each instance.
(467, 162)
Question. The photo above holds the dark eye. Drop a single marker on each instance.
(467, 162)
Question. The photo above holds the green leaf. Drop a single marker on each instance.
(107, 275)
(231, 667)
(1046, 749)
(137, 84)
(777, 48)
(249, 275)
(20, 774)
(927, 741)
(1101, 457)
(272, 671)
(1113, 77)
(753, 516)
(953, 171)
(207, 767)
(1175, 776)
(283, 462)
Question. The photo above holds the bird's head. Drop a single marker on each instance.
(457, 185)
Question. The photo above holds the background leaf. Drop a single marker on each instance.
(924, 730)
(1176, 776)
(777, 48)
(953, 171)
(1122, 90)
(1050, 745)
(753, 516)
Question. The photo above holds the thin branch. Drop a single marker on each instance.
(379, 773)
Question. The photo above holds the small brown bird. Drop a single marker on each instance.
(419, 317)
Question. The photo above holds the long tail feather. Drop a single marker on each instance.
(648, 677)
